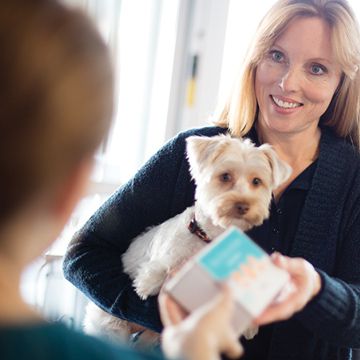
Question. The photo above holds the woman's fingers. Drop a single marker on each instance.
(301, 271)
(305, 283)
(282, 310)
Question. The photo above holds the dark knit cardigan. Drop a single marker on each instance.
(328, 236)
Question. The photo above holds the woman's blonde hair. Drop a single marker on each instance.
(240, 112)
(56, 94)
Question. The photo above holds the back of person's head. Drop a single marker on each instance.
(55, 97)
(343, 113)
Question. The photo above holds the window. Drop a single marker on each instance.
(142, 36)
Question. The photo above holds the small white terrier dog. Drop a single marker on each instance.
(234, 184)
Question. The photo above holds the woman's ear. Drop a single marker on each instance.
(43, 219)
(70, 191)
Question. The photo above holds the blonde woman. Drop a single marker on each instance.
(299, 91)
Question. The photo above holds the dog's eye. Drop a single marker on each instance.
(225, 177)
(256, 181)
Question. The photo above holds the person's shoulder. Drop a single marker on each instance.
(339, 162)
(176, 145)
(203, 131)
(337, 146)
(56, 341)
(84, 346)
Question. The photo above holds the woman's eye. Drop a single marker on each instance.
(277, 56)
(256, 181)
(318, 69)
(226, 177)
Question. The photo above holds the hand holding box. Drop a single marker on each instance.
(235, 259)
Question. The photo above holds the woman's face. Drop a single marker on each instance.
(297, 78)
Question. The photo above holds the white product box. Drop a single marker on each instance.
(233, 258)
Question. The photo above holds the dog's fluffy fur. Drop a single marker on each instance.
(234, 184)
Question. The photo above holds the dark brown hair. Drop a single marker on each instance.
(55, 96)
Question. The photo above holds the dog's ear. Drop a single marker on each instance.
(281, 171)
(200, 150)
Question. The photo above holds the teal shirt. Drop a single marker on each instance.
(57, 342)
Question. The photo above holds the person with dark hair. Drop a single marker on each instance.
(56, 93)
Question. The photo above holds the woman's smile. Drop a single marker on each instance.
(285, 105)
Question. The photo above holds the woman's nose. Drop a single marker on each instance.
(290, 80)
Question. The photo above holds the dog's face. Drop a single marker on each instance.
(234, 179)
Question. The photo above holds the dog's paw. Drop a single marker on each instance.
(149, 280)
(144, 291)
(250, 332)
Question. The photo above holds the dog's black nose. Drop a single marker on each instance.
(242, 208)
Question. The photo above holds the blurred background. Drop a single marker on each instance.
(175, 61)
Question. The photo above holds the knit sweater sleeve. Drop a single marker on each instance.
(93, 259)
(334, 314)
(161, 189)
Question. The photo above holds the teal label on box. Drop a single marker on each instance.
(228, 254)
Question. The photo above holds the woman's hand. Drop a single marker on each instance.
(203, 334)
(305, 284)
